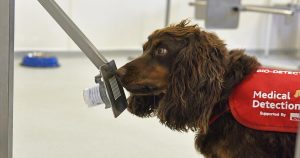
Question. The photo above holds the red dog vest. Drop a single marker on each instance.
(269, 100)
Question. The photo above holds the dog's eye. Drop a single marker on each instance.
(161, 51)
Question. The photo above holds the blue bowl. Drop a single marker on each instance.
(39, 60)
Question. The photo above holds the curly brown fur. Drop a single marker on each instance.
(143, 106)
(185, 77)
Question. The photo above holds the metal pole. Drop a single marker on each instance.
(265, 9)
(6, 76)
(268, 31)
(168, 8)
(74, 32)
(201, 2)
(268, 35)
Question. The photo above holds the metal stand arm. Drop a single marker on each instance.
(265, 9)
(74, 32)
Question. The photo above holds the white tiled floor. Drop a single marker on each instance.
(52, 121)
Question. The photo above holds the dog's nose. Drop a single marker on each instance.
(121, 72)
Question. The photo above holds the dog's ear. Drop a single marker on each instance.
(143, 106)
(195, 82)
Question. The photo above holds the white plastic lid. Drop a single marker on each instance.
(92, 96)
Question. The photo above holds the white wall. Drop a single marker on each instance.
(125, 24)
(35, 30)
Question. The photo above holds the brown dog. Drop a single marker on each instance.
(185, 77)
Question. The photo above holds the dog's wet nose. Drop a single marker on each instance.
(121, 72)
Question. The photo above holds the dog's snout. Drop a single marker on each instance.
(121, 72)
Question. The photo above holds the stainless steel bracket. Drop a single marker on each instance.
(225, 13)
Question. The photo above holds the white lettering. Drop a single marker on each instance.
(271, 95)
(272, 105)
(278, 72)
(255, 103)
(257, 94)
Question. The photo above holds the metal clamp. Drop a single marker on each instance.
(225, 13)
